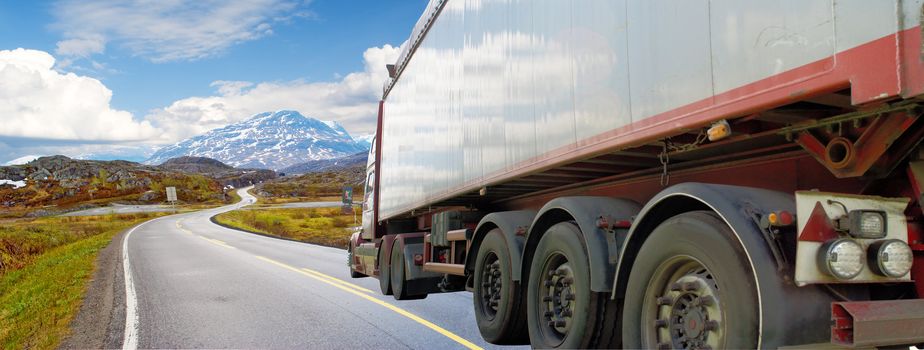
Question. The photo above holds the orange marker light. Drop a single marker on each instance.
(773, 219)
(719, 130)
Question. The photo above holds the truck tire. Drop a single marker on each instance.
(691, 287)
(398, 276)
(562, 311)
(384, 273)
(498, 304)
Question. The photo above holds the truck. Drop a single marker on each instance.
(656, 173)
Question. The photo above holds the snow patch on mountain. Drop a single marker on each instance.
(270, 140)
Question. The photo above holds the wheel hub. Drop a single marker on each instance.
(492, 283)
(558, 296)
(688, 314)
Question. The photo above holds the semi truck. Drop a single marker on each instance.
(656, 173)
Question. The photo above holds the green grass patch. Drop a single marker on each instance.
(324, 226)
(47, 264)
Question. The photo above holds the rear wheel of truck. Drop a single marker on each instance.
(691, 287)
(399, 284)
(384, 273)
(498, 306)
(562, 311)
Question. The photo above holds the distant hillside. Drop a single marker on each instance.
(271, 140)
(60, 182)
(225, 174)
(358, 159)
(313, 186)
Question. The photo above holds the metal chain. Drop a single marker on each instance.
(669, 146)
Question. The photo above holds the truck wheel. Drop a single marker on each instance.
(384, 273)
(562, 311)
(691, 287)
(350, 256)
(398, 280)
(498, 306)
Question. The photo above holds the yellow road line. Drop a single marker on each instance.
(391, 307)
(337, 280)
(217, 242)
(182, 228)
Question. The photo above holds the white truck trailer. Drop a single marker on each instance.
(657, 173)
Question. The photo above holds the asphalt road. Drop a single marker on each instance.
(193, 284)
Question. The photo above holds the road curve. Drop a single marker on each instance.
(199, 285)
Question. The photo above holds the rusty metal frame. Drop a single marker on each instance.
(860, 155)
(877, 323)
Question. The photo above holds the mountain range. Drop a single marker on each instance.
(314, 166)
(270, 140)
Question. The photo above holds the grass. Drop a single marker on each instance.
(47, 263)
(324, 226)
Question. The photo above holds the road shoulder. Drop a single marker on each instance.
(100, 322)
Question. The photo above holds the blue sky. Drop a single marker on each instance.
(169, 65)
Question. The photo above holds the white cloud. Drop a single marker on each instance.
(39, 102)
(351, 100)
(168, 30)
(22, 160)
(81, 47)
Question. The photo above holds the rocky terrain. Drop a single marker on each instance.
(314, 166)
(57, 183)
(271, 140)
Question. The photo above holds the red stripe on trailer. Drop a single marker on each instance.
(872, 71)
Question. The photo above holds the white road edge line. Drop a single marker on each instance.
(130, 339)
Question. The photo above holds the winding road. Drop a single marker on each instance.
(193, 284)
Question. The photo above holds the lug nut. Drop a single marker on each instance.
(547, 299)
(675, 287)
(567, 280)
(547, 283)
(690, 286)
(553, 273)
(707, 300)
(712, 325)
(548, 314)
(664, 300)
(566, 313)
(664, 346)
(660, 323)
(556, 323)
(569, 297)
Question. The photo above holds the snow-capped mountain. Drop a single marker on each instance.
(365, 140)
(270, 140)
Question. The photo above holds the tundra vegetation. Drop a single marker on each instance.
(311, 187)
(324, 226)
(45, 266)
